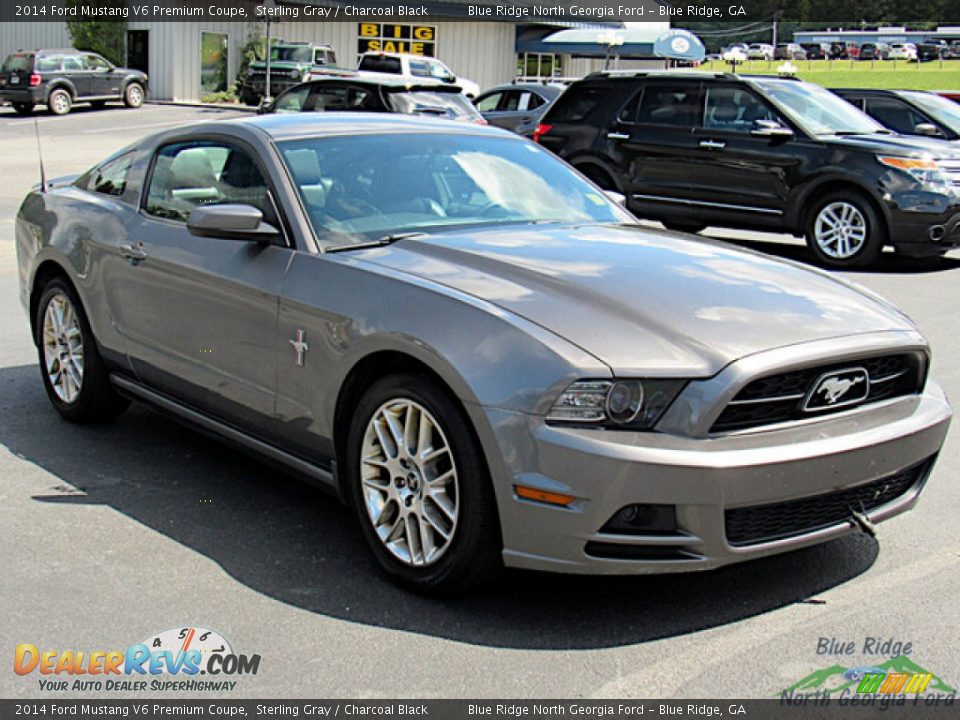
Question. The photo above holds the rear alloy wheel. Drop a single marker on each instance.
(59, 102)
(74, 375)
(133, 96)
(422, 495)
(844, 231)
(22, 108)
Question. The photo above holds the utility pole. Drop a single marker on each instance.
(776, 20)
(267, 96)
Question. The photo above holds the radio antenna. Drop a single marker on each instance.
(43, 173)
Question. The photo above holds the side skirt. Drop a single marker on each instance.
(321, 477)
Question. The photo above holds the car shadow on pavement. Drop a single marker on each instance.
(890, 262)
(299, 546)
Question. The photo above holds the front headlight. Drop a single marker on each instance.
(924, 170)
(295, 74)
(615, 404)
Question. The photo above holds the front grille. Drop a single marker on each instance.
(765, 523)
(780, 398)
(951, 168)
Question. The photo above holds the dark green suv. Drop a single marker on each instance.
(290, 62)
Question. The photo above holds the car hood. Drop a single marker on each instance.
(903, 145)
(643, 300)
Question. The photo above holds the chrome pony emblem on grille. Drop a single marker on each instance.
(839, 388)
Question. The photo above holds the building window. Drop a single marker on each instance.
(539, 65)
(213, 62)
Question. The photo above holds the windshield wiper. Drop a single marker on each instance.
(379, 242)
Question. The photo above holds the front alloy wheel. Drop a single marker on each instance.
(74, 374)
(63, 348)
(409, 482)
(133, 95)
(845, 231)
(420, 486)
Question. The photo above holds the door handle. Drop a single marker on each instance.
(618, 136)
(133, 252)
(712, 144)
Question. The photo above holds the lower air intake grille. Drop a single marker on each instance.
(765, 523)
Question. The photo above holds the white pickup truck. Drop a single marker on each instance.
(416, 67)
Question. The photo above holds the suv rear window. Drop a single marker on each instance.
(578, 102)
(380, 63)
(668, 104)
(18, 61)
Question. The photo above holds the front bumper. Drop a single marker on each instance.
(922, 223)
(703, 478)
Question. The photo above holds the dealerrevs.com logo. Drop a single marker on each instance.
(172, 660)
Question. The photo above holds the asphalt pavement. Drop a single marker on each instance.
(110, 534)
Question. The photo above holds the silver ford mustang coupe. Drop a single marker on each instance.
(478, 351)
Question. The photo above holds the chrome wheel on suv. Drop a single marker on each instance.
(840, 230)
(133, 95)
(844, 230)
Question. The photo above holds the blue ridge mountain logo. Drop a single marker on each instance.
(899, 676)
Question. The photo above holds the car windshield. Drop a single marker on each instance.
(817, 110)
(300, 54)
(364, 188)
(441, 104)
(946, 112)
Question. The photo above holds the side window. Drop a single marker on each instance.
(490, 102)
(629, 112)
(670, 104)
(187, 175)
(734, 109)
(95, 62)
(48, 63)
(419, 68)
(531, 101)
(578, 102)
(72, 63)
(111, 177)
(291, 102)
(894, 114)
(333, 98)
(512, 103)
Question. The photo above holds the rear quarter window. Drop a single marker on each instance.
(378, 63)
(579, 102)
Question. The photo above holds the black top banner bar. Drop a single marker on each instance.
(696, 14)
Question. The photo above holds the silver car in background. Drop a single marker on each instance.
(478, 351)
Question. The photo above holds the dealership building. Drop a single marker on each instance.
(187, 60)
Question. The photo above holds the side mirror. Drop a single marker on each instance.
(230, 222)
(771, 129)
(264, 108)
(927, 130)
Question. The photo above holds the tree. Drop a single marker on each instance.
(105, 36)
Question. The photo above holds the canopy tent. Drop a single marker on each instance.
(627, 42)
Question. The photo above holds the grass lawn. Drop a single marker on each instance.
(886, 74)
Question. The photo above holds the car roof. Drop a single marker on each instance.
(875, 91)
(387, 81)
(549, 90)
(303, 125)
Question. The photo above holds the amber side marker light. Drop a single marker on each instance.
(529, 493)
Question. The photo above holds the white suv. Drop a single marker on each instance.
(414, 66)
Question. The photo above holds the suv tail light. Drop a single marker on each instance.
(542, 129)
(35, 80)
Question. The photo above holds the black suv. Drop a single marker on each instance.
(908, 112)
(60, 78)
(693, 149)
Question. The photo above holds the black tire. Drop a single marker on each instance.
(134, 95)
(59, 102)
(869, 251)
(96, 399)
(23, 108)
(684, 227)
(249, 98)
(472, 556)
